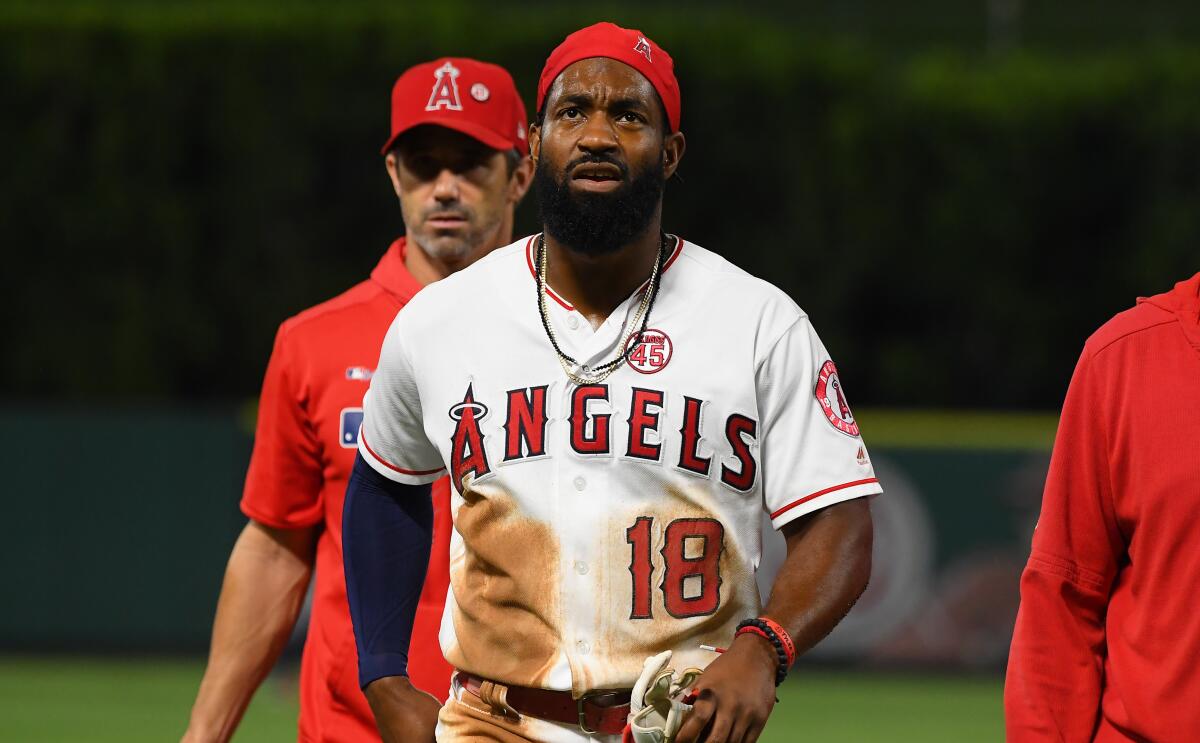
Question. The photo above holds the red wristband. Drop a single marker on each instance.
(789, 647)
(753, 630)
(761, 628)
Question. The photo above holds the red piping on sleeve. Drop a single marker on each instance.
(819, 493)
(390, 466)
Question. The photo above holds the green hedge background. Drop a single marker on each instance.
(955, 214)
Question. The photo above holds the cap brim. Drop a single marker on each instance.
(469, 128)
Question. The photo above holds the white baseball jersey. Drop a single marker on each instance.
(597, 524)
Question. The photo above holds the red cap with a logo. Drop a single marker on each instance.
(626, 45)
(476, 98)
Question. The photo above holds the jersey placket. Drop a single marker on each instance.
(583, 490)
(578, 339)
(582, 509)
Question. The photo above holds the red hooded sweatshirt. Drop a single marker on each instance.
(1107, 642)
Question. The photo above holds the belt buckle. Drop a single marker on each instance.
(586, 698)
(583, 715)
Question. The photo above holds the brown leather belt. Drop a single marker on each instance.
(602, 712)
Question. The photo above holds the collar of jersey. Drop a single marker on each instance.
(393, 275)
(529, 256)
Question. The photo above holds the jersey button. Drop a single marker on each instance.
(573, 321)
(580, 484)
(581, 567)
(583, 647)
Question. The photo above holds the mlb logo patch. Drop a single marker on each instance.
(351, 422)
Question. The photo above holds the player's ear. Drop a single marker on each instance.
(535, 142)
(393, 169)
(673, 146)
(520, 180)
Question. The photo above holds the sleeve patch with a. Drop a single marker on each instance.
(828, 392)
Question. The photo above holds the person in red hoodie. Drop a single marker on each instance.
(1107, 642)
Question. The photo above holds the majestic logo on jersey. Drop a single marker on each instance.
(480, 92)
(351, 422)
(833, 401)
(467, 455)
(359, 373)
(643, 48)
(445, 89)
(652, 353)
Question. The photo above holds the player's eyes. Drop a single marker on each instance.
(471, 162)
(422, 167)
(476, 171)
(630, 117)
(571, 113)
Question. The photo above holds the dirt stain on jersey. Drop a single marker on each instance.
(623, 643)
(506, 590)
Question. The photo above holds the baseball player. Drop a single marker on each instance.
(1108, 635)
(615, 407)
(457, 158)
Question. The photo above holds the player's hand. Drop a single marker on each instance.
(735, 695)
(403, 713)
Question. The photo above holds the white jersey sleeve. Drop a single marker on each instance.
(813, 455)
(393, 439)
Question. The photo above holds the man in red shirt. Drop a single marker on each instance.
(1107, 641)
(458, 162)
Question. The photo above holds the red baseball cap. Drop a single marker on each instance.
(476, 98)
(626, 45)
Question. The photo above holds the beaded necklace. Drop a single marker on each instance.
(580, 373)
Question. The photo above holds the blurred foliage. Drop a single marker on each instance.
(181, 177)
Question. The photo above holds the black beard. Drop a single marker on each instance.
(598, 223)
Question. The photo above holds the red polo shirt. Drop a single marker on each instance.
(1107, 642)
(304, 449)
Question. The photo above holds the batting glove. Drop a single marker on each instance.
(659, 701)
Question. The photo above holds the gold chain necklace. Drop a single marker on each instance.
(580, 373)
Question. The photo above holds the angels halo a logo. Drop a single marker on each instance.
(652, 353)
(474, 411)
(833, 401)
(643, 48)
(445, 89)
